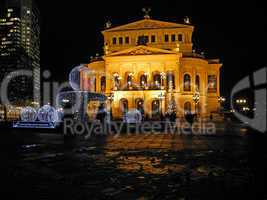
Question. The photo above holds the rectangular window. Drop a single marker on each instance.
(114, 41)
(173, 38)
(166, 38)
(120, 40)
(212, 83)
(127, 40)
(153, 39)
(180, 37)
(146, 39)
(139, 40)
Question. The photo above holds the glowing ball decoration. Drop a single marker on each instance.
(133, 116)
(28, 114)
(47, 113)
(82, 78)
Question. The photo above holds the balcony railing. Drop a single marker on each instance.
(136, 88)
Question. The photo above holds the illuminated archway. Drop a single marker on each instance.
(139, 104)
(187, 108)
(156, 109)
(124, 106)
(187, 83)
(170, 81)
(143, 80)
(156, 80)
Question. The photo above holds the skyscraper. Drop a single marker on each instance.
(20, 48)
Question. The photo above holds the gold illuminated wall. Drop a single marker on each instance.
(148, 63)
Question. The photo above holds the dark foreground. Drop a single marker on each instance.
(158, 166)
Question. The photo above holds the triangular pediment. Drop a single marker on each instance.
(141, 50)
(147, 24)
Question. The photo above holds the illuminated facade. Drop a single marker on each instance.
(150, 65)
(20, 48)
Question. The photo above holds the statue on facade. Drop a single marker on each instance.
(108, 24)
(187, 20)
(146, 12)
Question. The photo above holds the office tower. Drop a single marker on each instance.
(20, 49)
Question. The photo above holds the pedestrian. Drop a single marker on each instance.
(101, 113)
(190, 119)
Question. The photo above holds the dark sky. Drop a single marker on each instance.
(233, 31)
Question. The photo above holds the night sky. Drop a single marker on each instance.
(234, 32)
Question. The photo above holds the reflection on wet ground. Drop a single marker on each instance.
(149, 153)
(160, 166)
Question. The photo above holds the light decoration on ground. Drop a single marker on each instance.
(46, 117)
(133, 116)
(47, 113)
(28, 114)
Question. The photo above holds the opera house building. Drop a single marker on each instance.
(150, 65)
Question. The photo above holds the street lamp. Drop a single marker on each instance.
(245, 109)
(242, 104)
(65, 100)
(162, 78)
(161, 97)
(221, 100)
(110, 98)
(241, 101)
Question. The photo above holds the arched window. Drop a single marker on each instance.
(129, 79)
(103, 84)
(116, 81)
(124, 105)
(187, 83)
(143, 80)
(156, 109)
(139, 104)
(157, 80)
(197, 85)
(187, 108)
(170, 81)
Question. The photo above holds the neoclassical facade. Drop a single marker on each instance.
(150, 65)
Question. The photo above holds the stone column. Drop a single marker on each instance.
(218, 83)
(109, 81)
(177, 78)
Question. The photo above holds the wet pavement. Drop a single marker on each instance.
(135, 166)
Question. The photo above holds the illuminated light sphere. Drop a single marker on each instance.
(47, 113)
(133, 116)
(82, 78)
(28, 114)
